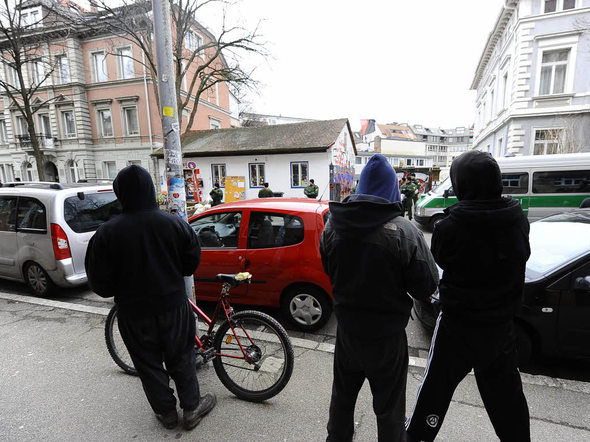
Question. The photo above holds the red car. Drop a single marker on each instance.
(277, 241)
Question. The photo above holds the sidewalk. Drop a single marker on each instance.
(57, 382)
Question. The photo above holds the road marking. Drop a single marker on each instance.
(544, 381)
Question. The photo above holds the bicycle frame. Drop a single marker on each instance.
(204, 343)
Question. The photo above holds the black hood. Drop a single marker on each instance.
(360, 214)
(476, 176)
(135, 189)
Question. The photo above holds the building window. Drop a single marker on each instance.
(409, 162)
(45, 126)
(134, 163)
(31, 17)
(125, 63)
(218, 174)
(559, 5)
(257, 174)
(28, 171)
(419, 162)
(504, 97)
(214, 123)
(22, 125)
(358, 160)
(99, 66)
(72, 172)
(547, 141)
(11, 75)
(6, 173)
(299, 174)
(105, 123)
(68, 124)
(130, 121)
(3, 134)
(194, 42)
(569, 4)
(500, 147)
(37, 72)
(62, 69)
(110, 170)
(553, 71)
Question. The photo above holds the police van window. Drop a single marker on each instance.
(87, 213)
(515, 183)
(218, 230)
(566, 181)
(268, 230)
(31, 216)
(7, 214)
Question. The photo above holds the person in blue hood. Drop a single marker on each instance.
(375, 258)
(140, 258)
(482, 247)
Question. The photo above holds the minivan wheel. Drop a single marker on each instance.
(308, 308)
(38, 279)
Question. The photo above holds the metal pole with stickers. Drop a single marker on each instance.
(169, 116)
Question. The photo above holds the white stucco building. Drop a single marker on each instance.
(286, 156)
(532, 80)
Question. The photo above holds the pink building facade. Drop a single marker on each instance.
(97, 112)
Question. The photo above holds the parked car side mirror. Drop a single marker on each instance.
(449, 192)
(582, 283)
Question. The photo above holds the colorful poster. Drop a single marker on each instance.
(235, 188)
(189, 180)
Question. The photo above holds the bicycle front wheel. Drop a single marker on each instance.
(115, 344)
(253, 356)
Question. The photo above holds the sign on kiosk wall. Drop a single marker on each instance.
(235, 188)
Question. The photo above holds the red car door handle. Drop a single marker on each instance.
(246, 263)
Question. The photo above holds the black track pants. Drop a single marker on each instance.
(454, 351)
(384, 362)
(166, 338)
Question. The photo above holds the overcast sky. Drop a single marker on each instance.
(408, 61)
(391, 60)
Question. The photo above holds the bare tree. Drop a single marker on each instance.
(200, 63)
(25, 34)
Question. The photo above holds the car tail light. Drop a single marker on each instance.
(61, 246)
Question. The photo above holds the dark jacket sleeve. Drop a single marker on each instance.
(421, 271)
(191, 253)
(99, 269)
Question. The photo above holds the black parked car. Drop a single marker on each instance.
(555, 318)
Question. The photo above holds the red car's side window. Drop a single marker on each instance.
(267, 230)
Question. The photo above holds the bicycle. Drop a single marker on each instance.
(251, 352)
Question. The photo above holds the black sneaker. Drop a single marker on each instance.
(191, 418)
(169, 420)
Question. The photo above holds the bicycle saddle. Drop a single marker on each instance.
(234, 279)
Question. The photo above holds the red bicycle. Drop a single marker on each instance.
(251, 352)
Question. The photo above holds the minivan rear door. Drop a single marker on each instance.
(83, 213)
(8, 245)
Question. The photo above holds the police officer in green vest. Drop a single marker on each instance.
(408, 189)
(265, 192)
(312, 190)
(216, 195)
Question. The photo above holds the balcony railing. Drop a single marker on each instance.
(45, 141)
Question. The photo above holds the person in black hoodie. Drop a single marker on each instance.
(140, 258)
(374, 258)
(482, 247)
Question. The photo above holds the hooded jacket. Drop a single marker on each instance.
(375, 257)
(482, 245)
(141, 256)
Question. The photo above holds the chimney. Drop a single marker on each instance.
(377, 147)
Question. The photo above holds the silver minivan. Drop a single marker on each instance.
(45, 228)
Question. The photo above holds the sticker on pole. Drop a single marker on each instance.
(168, 111)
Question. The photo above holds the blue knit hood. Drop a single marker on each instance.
(379, 179)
